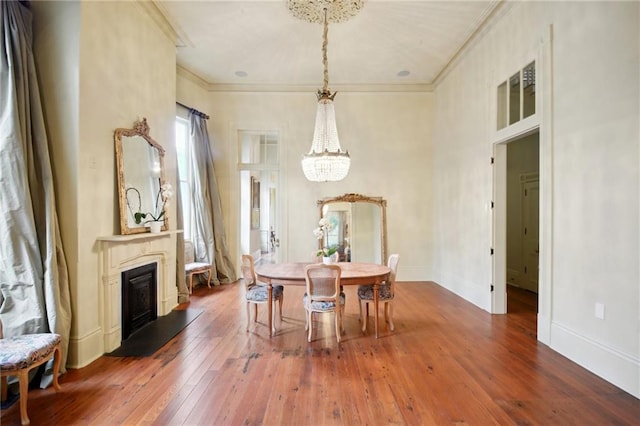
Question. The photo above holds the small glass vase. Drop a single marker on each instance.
(155, 227)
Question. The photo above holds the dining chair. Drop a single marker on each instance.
(385, 294)
(257, 294)
(191, 267)
(323, 295)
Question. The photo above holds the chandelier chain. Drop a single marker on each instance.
(325, 62)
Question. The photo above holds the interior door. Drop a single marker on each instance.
(530, 239)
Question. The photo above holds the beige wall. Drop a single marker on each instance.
(105, 65)
(589, 178)
(387, 135)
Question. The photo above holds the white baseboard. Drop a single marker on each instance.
(86, 349)
(619, 368)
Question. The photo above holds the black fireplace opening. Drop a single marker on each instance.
(139, 294)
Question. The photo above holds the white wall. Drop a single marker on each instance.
(116, 66)
(593, 138)
(387, 135)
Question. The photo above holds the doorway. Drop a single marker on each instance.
(258, 153)
(516, 224)
(523, 189)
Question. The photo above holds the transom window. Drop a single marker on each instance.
(517, 97)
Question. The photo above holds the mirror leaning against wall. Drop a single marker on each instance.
(358, 227)
(142, 189)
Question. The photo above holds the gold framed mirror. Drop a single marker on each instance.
(141, 181)
(358, 227)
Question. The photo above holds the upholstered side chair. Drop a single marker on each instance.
(20, 354)
(323, 295)
(256, 294)
(192, 267)
(386, 292)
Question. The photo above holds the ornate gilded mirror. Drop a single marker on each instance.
(359, 227)
(140, 167)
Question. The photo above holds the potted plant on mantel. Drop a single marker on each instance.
(165, 192)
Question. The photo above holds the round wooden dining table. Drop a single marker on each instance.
(353, 273)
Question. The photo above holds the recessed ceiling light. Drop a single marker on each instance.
(403, 73)
(241, 73)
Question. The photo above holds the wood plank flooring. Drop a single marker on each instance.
(447, 362)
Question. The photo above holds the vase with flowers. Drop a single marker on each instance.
(322, 232)
(155, 220)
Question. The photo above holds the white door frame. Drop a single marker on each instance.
(541, 121)
(235, 201)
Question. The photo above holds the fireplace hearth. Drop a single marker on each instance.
(139, 298)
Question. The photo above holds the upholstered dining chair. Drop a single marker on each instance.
(323, 295)
(20, 354)
(192, 267)
(385, 294)
(257, 294)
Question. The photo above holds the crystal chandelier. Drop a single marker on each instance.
(325, 161)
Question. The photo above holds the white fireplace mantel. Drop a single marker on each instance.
(119, 253)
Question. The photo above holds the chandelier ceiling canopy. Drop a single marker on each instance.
(325, 161)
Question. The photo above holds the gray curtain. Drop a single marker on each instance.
(210, 242)
(34, 285)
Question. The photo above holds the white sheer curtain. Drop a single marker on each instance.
(183, 291)
(210, 241)
(34, 285)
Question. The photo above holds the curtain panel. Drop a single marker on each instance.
(210, 242)
(34, 283)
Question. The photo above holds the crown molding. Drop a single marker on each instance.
(300, 88)
(486, 23)
(162, 18)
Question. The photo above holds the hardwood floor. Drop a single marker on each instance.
(447, 362)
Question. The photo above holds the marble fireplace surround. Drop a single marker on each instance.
(119, 253)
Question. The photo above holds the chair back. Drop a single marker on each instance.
(189, 252)
(392, 263)
(323, 282)
(248, 271)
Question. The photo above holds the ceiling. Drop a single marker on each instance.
(394, 44)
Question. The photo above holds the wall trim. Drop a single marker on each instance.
(86, 349)
(617, 367)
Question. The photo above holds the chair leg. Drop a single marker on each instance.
(190, 283)
(3, 388)
(390, 309)
(57, 359)
(338, 323)
(209, 278)
(281, 300)
(365, 318)
(255, 312)
(273, 319)
(23, 377)
(310, 326)
(248, 315)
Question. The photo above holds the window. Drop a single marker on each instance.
(258, 148)
(517, 97)
(183, 150)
